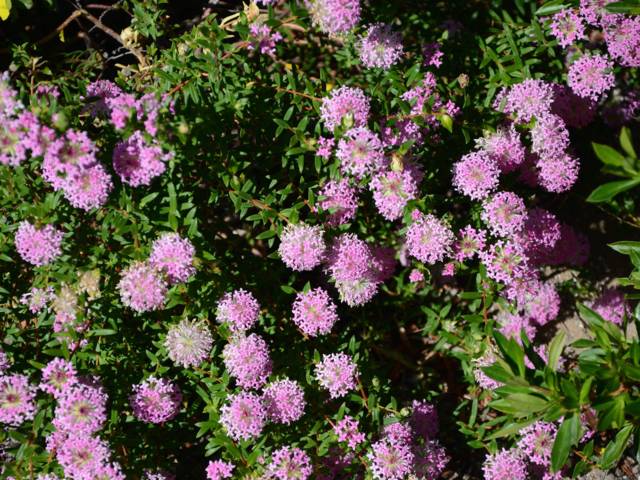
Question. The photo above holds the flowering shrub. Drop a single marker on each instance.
(320, 239)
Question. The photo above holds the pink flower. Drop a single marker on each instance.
(58, 376)
(324, 147)
(188, 343)
(238, 309)
(347, 431)
(263, 39)
(567, 27)
(430, 459)
(392, 190)
(81, 409)
(314, 313)
(505, 464)
(476, 175)
(156, 400)
(138, 161)
(503, 147)
(360, 152)
(243, 417)
(470, 242)
(336, 372)
(247, 360)
(527, 100)
(37, 298)
(482, 379)
(558, 174)
(88, 188)
(543, 304)
(623, 41)
(284, 401)
(380, 47)
(341, 200)
(429, 239)
(17, 399)
(505, 262)
(504, 214)
(302, 246)
(416, 276)
(591, 76)
(82, 456)
(334, 16)
(536, 441)
(390, 460)
(345, 106)
(289, 463)
(611, 305)
(141, 288)
(38, 246)
(424, 419)
(218, 470)
(67, 156)
(173, 255)
(432, 54)
(549, 136)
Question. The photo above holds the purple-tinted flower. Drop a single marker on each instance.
(536, 441)
(430, 460)
(424, 419)
(476, 175)
(390, 461)
(429, 239)
(392, 190)
(594, 12)
(591, 76)
(341, 200)
(188, 343)
(540, 234)
(334, 17)
(173, 255)
(324, 147)
(67, 156)
(504, 214)
(100, 91)
(219, 469)
(244, 416)
(314, 313)
(360, 152)
(247, 360)
(432, 54)
(336, 372)
(9, 103)
(558, 174)
(380, 47)
(503, 147)
(575, 111)
(138, 161)
(623, 41)
(81, 409)
(526, 100)
(505, 464)
(345, 106)
(142, 288)
(289, 463)
(549, 136)
(82, 456)
(38, 246)
(58, 376)
(263, 39)
(482, 379)
(4, 362)
(37, 298)
(284, 401)
(512, 325)
(611, 305)
(239, 310)
(505, 262)
(155, 400)
(567, 26)
(397, 432)
(347, 431)
(416, 276)
(470, 242)
(542, 305)
(383, 263)
(302, 246)
(88, 188)
(17, 137)
(17, 397)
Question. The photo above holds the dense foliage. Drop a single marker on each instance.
(321, 239)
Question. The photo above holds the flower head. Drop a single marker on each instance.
(429, 239)
(314, 313)
(345, 106)
(336, 372)
(81, 408)
(289, 463)
(347, 431)
(567, 26)
(504, 214)
(591, 76)
(505, 464)
(302, 246)
(16, 399)
(138, 161)
(173, 255)
(155, 400)
(611, 305)
(341, 199)
(57, 376)
(88, 188)
(219, 469)
(558, 174)
(284, 401)
(243, 417)
(238, 309)
(392, 190)
(476, 175)
(263, 38)
(536, 441)
(188, 343)
(424, 419)
(470, 242)
(380, 47)
(37, 298)
(360, 152)
(142, 288)
(247, 359)
(390, 461)
(503, 147)
(334, 16)
(526, 100)
(38, 246)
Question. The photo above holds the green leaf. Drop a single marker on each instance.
(568, 435)
(608, 155)
(626, 143)
(520, 404)
(552, 7)
(628, 6)
(614, 449)
(626, 247)
(555, 349)
(609, 190)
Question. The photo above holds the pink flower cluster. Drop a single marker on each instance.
(239, 310)
(380, 47)
(38, 246)
(263, 39)
(334, 17)
(156, 400)
(188, 343)
(138, 160)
